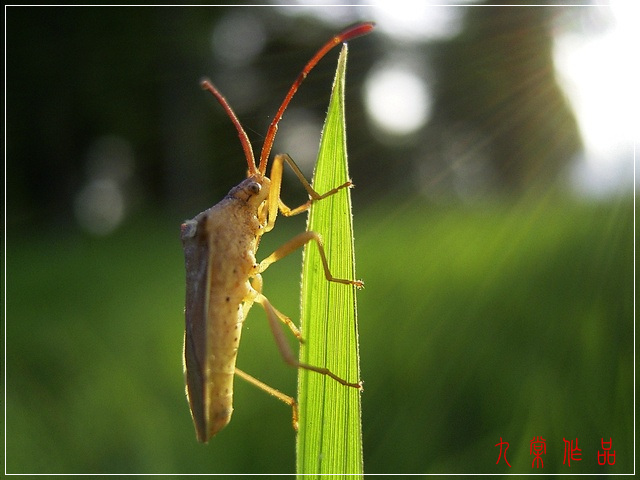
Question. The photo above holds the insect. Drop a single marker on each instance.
(223, 278)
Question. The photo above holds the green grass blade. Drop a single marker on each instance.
(330, 431)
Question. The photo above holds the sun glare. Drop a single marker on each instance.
(599, 74)
(411, 20)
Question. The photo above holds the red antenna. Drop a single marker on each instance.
(244, 139)
(352, 32)
(349, 33)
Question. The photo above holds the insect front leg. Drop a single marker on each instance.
(274, 201)
(297, 242)
(285, 350)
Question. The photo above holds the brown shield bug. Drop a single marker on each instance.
(223, 278)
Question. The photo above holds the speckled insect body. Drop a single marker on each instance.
(223, 277)
(219, 246)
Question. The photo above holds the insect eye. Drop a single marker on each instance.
(254, 188)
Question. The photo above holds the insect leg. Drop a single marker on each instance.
(295, 243)
(285, 350)
(272, 391)
(256, 284)
(274, 201)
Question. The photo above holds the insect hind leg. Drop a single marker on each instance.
(256, 284)
(274, 392)
(285, 350)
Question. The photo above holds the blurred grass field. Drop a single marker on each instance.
(480, 322)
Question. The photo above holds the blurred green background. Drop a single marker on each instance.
(499, 295)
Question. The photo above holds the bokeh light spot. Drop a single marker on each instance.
(397, 100)
(238, 37)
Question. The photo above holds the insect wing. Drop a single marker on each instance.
(196, 259)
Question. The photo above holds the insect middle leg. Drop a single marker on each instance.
(297, 242)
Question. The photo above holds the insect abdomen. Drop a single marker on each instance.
(223, 341)
(219, 259)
